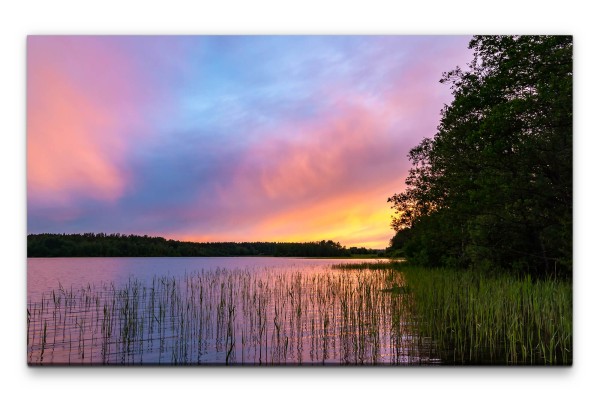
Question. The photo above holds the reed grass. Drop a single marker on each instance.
(476, 318)
(326, 316)
(371, 313)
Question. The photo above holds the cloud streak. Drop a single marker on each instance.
(229, 138)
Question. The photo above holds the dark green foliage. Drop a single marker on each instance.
(91, 245)
(493, 188)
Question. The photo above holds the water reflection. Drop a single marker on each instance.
(252, 315)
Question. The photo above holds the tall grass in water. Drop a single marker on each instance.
(499, 319)
(269, 316)
(371, 313)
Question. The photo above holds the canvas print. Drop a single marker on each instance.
(299, 200)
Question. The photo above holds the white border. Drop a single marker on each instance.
(19, 19)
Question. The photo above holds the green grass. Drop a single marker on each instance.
(498, 319)
(365, 313)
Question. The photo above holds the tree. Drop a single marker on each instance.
(494, 186)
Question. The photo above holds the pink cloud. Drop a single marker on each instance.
(113, 121)
(329, 178)
(321, 179)
(82, 100)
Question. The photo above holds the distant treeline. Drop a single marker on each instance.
(118, 245)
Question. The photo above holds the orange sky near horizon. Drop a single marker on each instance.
(229, 138)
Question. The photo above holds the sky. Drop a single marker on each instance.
(229, 138)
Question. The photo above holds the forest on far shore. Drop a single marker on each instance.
(118, 245)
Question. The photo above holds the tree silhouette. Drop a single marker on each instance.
(493, 188)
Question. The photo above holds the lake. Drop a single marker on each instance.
(214, 311)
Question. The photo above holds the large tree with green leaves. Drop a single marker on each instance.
(493, 187)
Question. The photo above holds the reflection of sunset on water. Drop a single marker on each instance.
(197, 311)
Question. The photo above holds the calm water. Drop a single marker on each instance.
(254, 311)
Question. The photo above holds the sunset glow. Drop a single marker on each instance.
(229, 138)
